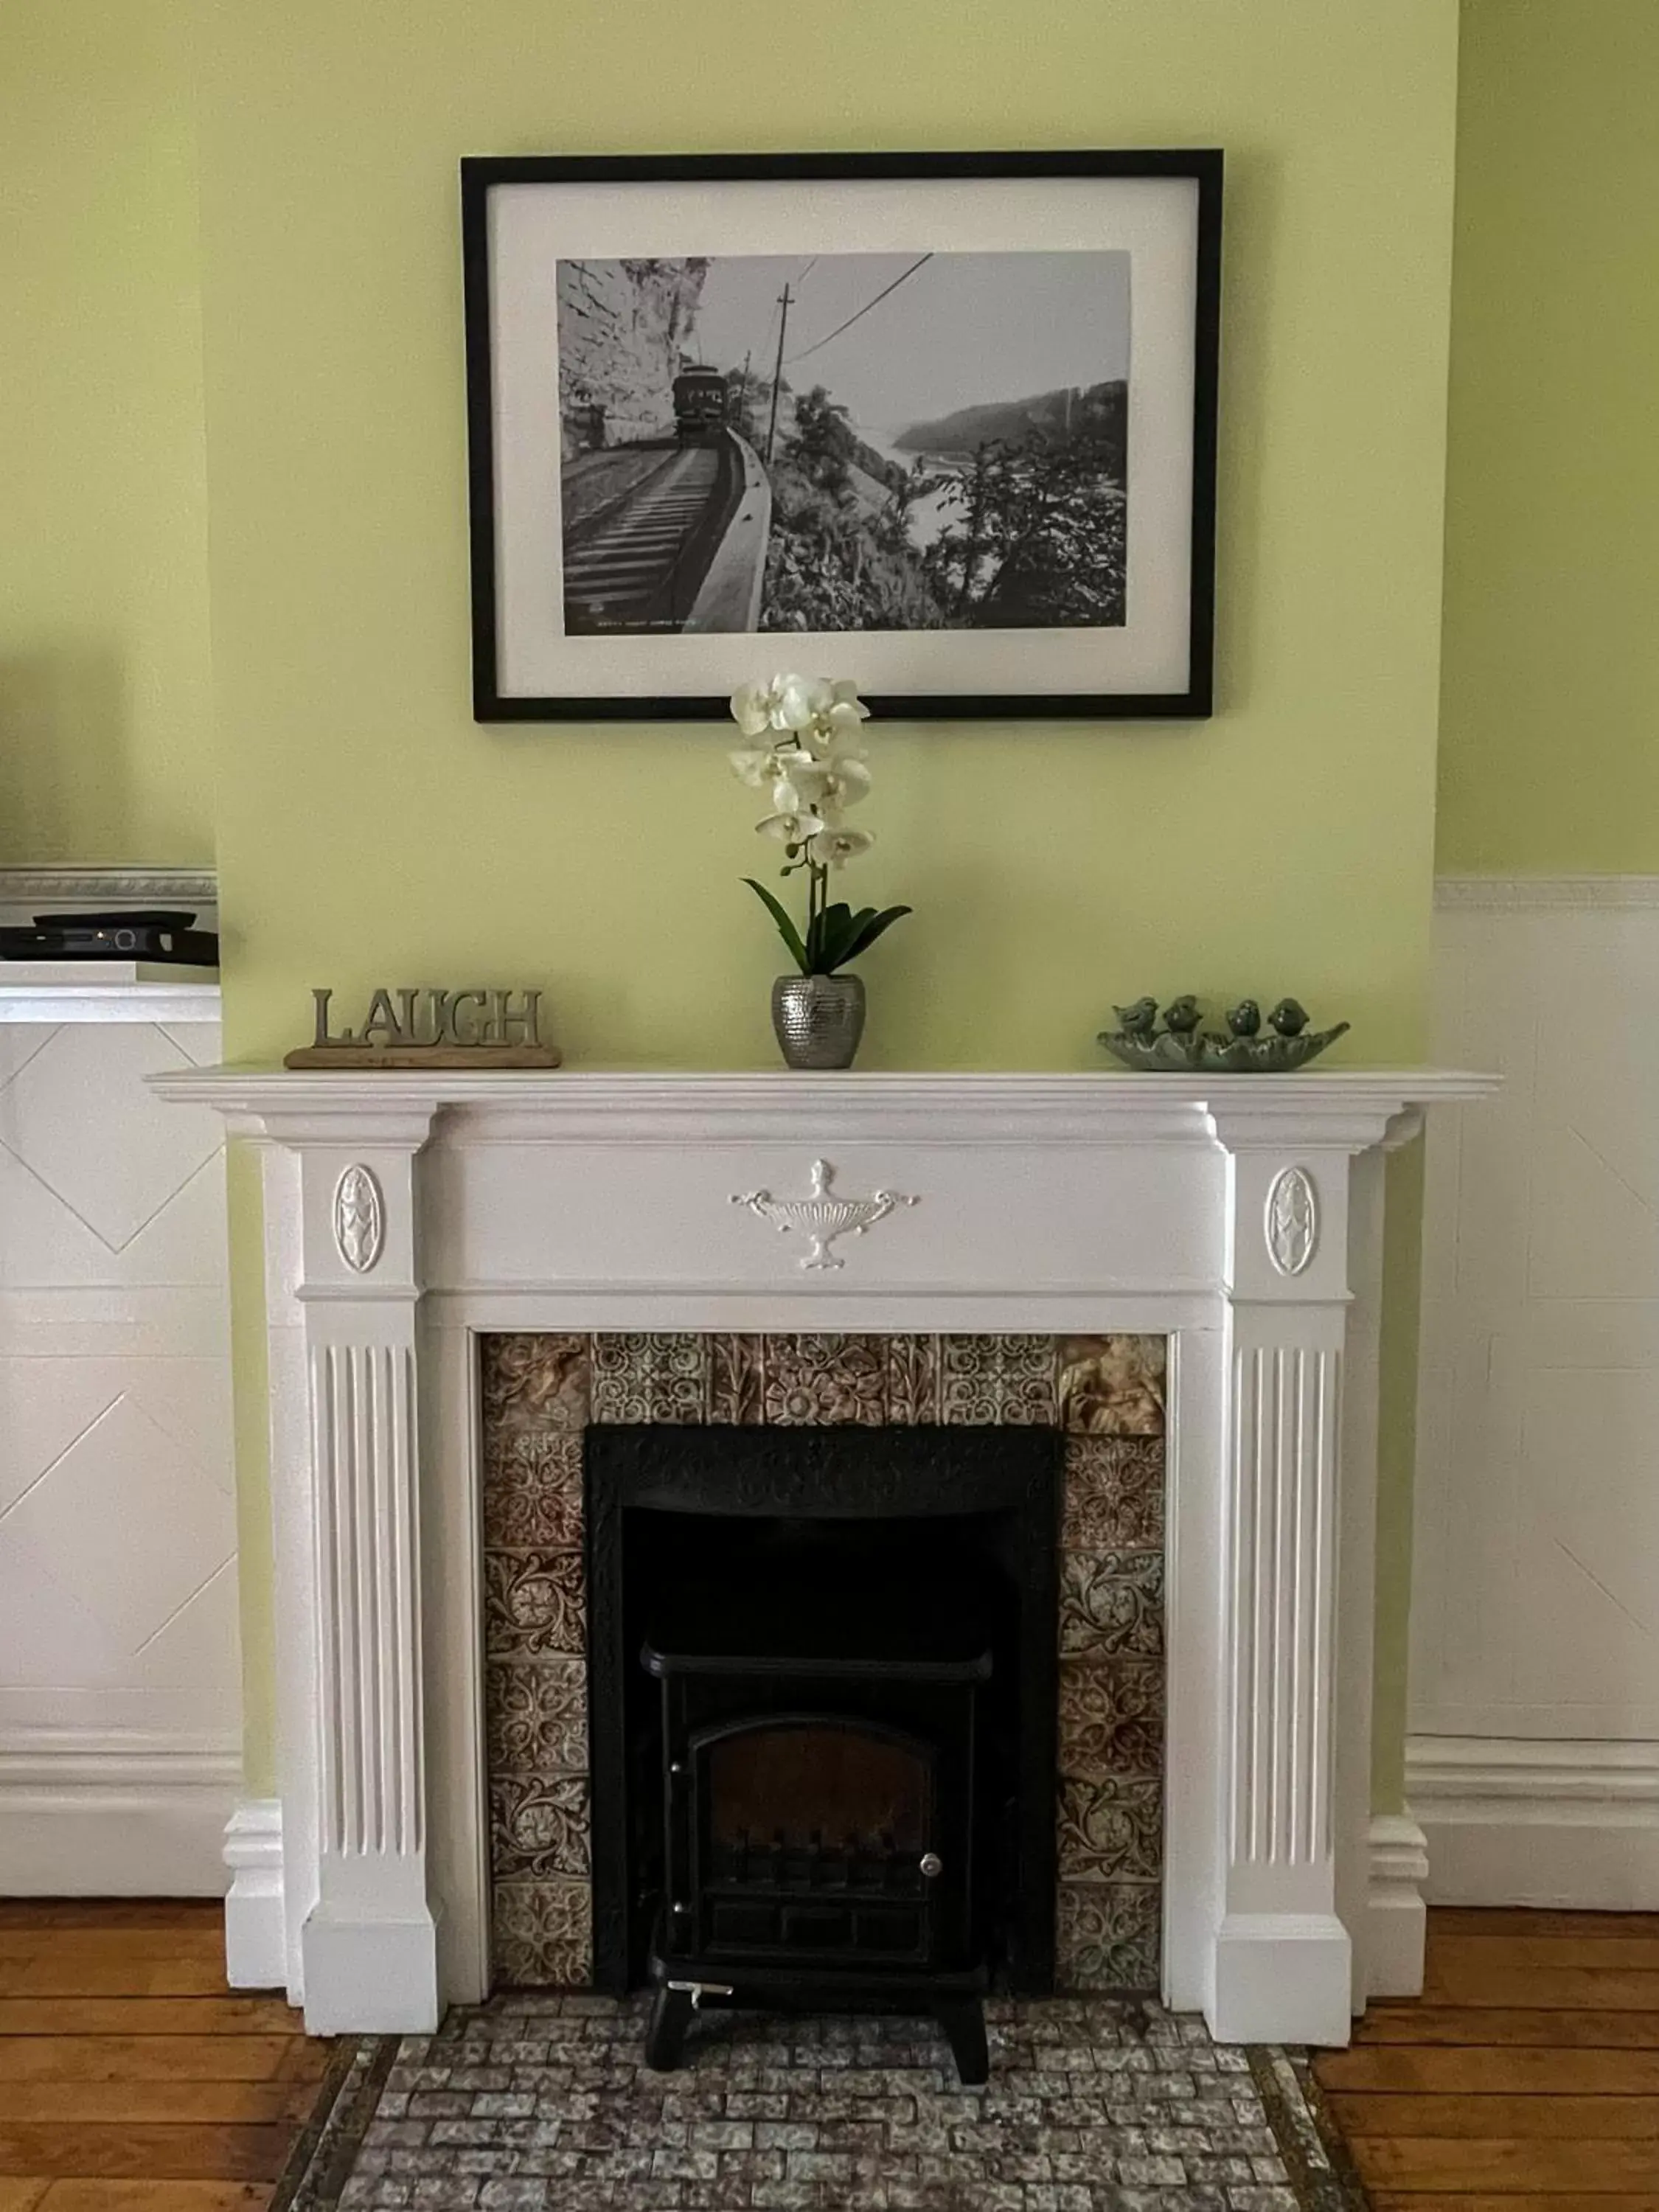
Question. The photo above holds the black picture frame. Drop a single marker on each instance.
(483, 175)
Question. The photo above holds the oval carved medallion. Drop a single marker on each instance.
(1293, 1220)
(359, 1218)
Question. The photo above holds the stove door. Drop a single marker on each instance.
(818, 1835)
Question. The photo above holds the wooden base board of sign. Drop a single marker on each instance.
(406, 1056)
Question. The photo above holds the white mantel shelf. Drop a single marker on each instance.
(642, 1102)
(1241, 1217)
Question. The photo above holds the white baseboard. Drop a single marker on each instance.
(256, 1941)
(113, 1815)
(1515, 1822)
(1544, 894)
(1395, 1915)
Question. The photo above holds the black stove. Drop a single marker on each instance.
(822, 1698)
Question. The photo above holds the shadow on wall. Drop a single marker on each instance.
(66, 777)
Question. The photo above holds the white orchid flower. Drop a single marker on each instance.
(799, 700)
(757, 768)
(752, 709)
(834, 848)
(830, 739)
(792, 827)
(801, 782)
(845, 781)
(844, 696)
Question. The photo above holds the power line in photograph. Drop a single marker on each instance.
(818, 344)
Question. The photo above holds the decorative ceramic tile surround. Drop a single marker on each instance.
(1105, 1392)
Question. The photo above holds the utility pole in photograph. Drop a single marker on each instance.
(777, 372)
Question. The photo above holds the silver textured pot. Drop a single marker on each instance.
(818, 1020)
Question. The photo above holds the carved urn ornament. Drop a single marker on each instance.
(806, 751)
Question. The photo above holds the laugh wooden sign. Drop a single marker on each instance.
(423, 1027)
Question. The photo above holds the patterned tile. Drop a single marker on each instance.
(1106, 1935)
(539, 1390)
(1111, 1830)
(1112, 1386)
(541, 2103)
(823, 1381)
(532, 1490)
(1112, 1603)
(913, 1380)
(735, 1379)
(991, 1379)
(539, 1825)
(659, 1377)
(534, 1382)
(535, 1604)
(1114, 1494)
(542, 1934)
(537, 1713)
(1111, 1717)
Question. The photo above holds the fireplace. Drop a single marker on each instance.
(406, 1217)
(823, 1669)
(918, 1449)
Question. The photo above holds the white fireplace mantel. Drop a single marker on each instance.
(1241, 1215)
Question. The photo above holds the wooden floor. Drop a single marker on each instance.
(1526, 2080)
(131, 2079)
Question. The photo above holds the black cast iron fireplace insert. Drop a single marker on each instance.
(822, 1699)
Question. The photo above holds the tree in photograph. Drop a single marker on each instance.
(822, 444)
(1041, 541)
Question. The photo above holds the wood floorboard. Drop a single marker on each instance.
(1513, 2164)
(1498, 1922)
(1503, 2070)
(222, 2016)
(1548, 2200)
(1527, 2079)
(1461, 2024)
(132, 2079)
(137, 2059)
(94, 2195)
(1578, 2119)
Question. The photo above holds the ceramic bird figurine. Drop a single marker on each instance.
(1245, 1019)
(1182, 1018)
(1137, 1020)
(1289, 1017)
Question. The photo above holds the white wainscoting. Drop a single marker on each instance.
(120, 1740)
(1534, 1762)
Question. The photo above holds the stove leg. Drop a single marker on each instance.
(962, 2019)
(665, 2037)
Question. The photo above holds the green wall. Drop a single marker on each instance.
(105, 744)
(369, 831)
(1550, 725)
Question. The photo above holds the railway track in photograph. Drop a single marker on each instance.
(642, 560)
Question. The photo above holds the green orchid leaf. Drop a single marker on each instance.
(872, 927)
(785, 921)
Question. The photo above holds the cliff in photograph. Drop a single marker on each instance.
(622, 326)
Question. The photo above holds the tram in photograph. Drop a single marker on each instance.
(699, 404)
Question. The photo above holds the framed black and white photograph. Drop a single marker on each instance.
(946, 422)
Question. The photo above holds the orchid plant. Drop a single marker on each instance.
(806, 748)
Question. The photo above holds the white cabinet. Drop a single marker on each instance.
(119, 1676)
